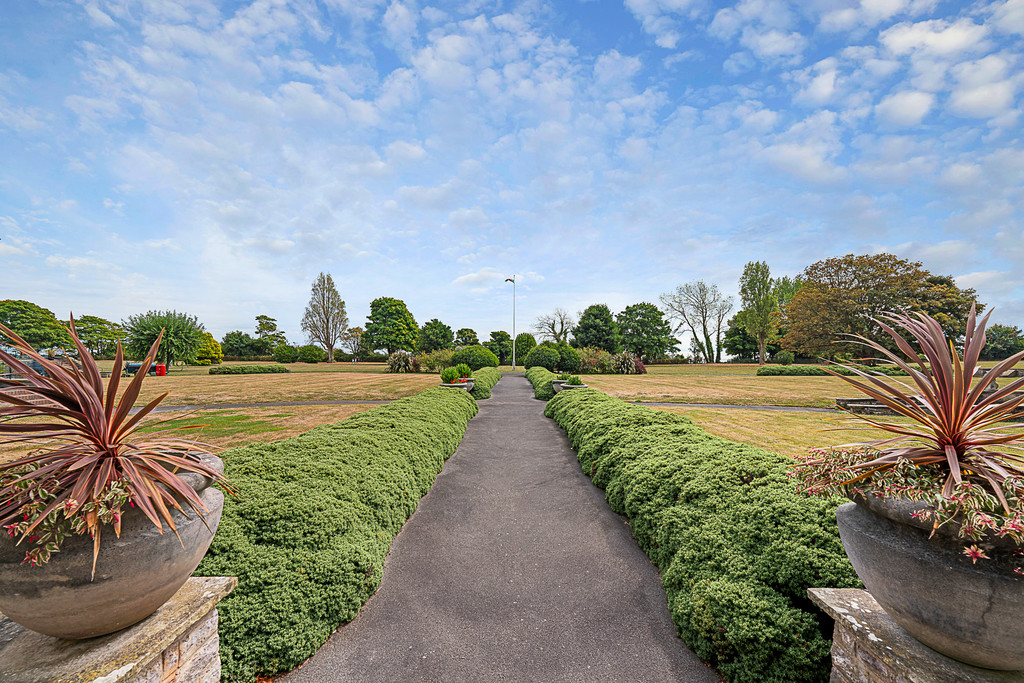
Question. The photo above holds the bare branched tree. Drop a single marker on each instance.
(555, 326)
(700, 309)
(325, 320)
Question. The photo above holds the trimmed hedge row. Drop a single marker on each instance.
(818, 371)
(483, 380)
(313, 520)
(247, 369)
(736, 545)
(540, 377)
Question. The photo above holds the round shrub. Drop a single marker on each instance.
(785, 358)
(624, 363)
(449, 375)
(475, 357)
(640, 368)
(311, 353)
(402, 361)
(542, 356)
(464, 370)
(568, 358)
(595, 361)
(286, 353)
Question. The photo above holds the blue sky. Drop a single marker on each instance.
(213, 157)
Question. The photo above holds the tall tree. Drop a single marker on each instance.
(597, 329)
(1002, 341)
(99, 335)
(183, 335)
(525, 342)
(266, 328)
(352, 340)
(35, 324)
(466, 337)
(645, 332)
(555, 326)
(435, 335)
(842, 295)
(325, 320)
(390, 326)
(700, 309)
(500, 345)
(760, 315)
(736, 342)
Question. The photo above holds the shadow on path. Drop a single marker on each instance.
(513, 568)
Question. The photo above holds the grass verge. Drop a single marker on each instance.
(313, 521)
(736, 546)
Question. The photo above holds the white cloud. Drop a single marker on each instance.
(904, 109)
(1009, 16)
(983, 88)
(400, 25)
(480, 281)
(936, 37)
(658, 18)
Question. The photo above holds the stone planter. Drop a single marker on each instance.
(465, 386)
(135, 574)
(970, 612)
(557, 385)
(574, 386)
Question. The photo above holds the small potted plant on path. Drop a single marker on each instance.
(936, 527)
(458, 377)
(102, 523)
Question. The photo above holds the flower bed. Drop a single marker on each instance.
(736, 545)
(314, 518)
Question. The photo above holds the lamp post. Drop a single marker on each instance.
(513, 281)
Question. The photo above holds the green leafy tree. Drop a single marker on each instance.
(760, 315)
(842, 295)
(435, 335)
(524, 344)
(737, 342)
(183, 335)
(209, 352)
(99, 335)
(466, 337)
(325, 320)
(35, 324)
(500, 345)
(597, 329)
(241, 344)
(700, 309)
(1002, 341)
(390, 326)
(266, 328)
(645, 332)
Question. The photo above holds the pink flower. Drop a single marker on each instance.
(975, 553)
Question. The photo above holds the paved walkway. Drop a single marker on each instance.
(512, 568)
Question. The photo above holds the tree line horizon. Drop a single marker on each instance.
(806, 315)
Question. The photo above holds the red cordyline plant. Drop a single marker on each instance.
(957, 453)
(95, 461)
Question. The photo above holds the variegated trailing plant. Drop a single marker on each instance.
(93, 460)
(958, 453)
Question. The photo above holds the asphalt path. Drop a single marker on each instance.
(512, 568)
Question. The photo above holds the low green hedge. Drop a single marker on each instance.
(540, 378)
(247, 369)
(819, 371)
(736, 545)
(483, 380)
(313, 520)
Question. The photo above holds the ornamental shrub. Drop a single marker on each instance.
(286, 353)
(540, 377)
(785, 358)
(247, 369)
(464, 370)
(475, 357)
(624, 363)
(315, 515)
(435, 361)
(402, 361)
(736, 545)
(542, 356)
(568, 358)
(311, 353)
(449, 375)
(483, 380)
(639, 368)
(595, 361)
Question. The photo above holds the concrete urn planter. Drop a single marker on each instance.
(557, 385)
(970, 612)
(135, 574)
(574, 386)
(465, 386)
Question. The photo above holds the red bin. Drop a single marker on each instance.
(161, 370)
